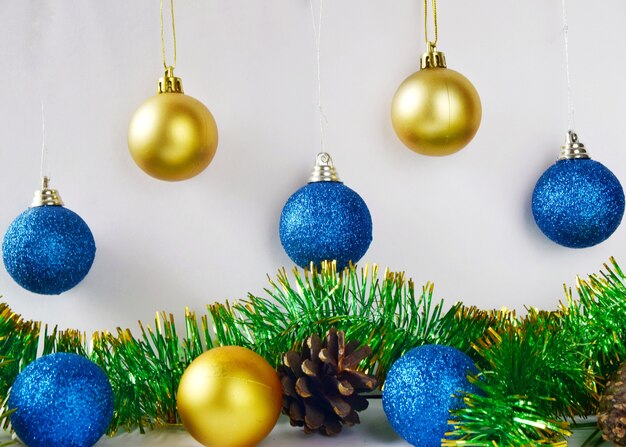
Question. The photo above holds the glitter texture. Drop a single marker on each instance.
(325, 221)
(578, 203)
(417, 397)
(48, 249)
(61, 400)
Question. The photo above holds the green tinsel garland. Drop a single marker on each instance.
(536, 372)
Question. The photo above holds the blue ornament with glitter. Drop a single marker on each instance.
(61, 400)
(422, 387)
(325, 220)
(577, 202)
(48, 249)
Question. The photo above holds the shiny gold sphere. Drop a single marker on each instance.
(229, 397)
(436, 111)
(172, 136)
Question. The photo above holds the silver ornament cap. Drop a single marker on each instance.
(324, 170)
(46, 196)
(573, 148)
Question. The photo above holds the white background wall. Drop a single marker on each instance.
(462, 221)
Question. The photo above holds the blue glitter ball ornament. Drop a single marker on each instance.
(325, 220)
(577, 202)
(419, 389)
(61, 400)
(48, 249)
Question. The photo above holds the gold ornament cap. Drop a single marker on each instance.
(433, 58)
(324, 170)
(573, 148)
(46, 196)
(170, 83)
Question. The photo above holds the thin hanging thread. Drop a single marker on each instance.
(317, 32)
(570, 102)
(165, 65)
(435, 27)
(44, 168)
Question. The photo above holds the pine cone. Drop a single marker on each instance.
(321, 385)
(612, 409)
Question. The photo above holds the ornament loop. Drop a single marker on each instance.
(165, 64)
(46, 196)
(573, 148)
(435, 26)
(432, 58)
(324, 170)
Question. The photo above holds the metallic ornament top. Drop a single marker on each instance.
(46, 196)
(170, 83)
(433, 58)
(324, 170)
(573, 148)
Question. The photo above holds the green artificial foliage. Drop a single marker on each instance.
(546, 368)
(145, 371)
(18, 347)
(537, 372)
(385, 313)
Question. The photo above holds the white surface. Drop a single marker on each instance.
(462, 221)
(374, 431)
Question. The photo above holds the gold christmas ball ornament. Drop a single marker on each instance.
(229, 397)
(436, 111)
(172, 136)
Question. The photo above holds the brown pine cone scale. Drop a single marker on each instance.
(321, 385)
(612, 409)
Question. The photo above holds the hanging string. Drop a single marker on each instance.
(317, 33)
(570, 102)
(165, 64)
(44, 168)
(435, 28)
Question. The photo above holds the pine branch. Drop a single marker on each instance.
(532, 373)
(4, 416)
(597, 319)
(386, 314)
(145, 372)
(18, 347)
(535, 369)
(494, 419)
